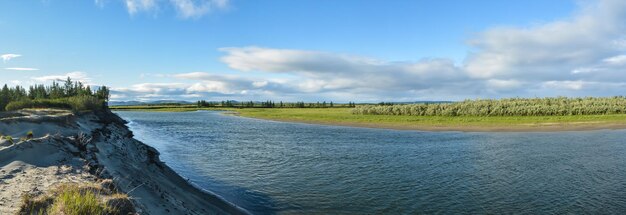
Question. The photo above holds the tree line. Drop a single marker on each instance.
(555, 106)
(271, 104)
(72, 95)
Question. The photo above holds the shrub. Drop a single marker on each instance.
(559, 106)
(76, 103)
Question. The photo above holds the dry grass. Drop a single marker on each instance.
(78, 199)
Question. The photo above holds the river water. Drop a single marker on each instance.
(271, 167)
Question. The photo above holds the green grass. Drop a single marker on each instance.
(9, 138)
(77, 199)
(344, 116)
(73, 201)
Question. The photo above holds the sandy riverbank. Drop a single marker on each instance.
(87, 148)
(344, 117)
(517, 127)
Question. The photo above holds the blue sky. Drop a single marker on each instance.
(319, 50)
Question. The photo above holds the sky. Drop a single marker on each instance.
(318, 50)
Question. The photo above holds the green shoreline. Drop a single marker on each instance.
(344, 117)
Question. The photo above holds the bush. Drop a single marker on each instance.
(559, 106)
(76, 103)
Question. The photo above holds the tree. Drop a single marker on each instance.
(73, 95)
(4, 96)
(69, 88)
(103, 94)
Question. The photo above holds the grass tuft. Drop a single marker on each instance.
(74, 201)
(78, 199)
(9, 138)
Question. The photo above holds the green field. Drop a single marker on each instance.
(344, 116)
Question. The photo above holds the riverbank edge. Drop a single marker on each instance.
(545, 126)
(210, 197)
(111, 152)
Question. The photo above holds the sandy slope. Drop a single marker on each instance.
(87, 147)
(34, 167)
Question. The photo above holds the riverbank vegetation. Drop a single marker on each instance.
(271, 104)
(231, 104)
(345, 117)
(70, 95)
(559, 106)
(471, 115)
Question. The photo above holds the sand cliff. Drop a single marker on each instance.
(88, 147)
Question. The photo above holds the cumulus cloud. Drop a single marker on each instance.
(21, 69)
(8, 57)
(551, 50)
(205, 85)
(184, 8)
(167, 91)
(568, 56)
(330, 71)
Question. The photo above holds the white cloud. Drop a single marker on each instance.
(205, 85)
(585, 51)
(184, 8)
(618, 60)
(21, 69)
(8, 57)
(569, 85)
(197, 8)
(100, 3)
(76, 76)
(498, 84)
(330, 71)
(135, 6)
(162, 91)
(551, 50)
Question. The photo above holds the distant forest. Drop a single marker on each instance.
(72, 95)
(271, 104)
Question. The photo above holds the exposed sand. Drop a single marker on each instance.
(537, 127)
(35, 167)
(69, 148)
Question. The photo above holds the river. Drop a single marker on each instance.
(272, 167)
